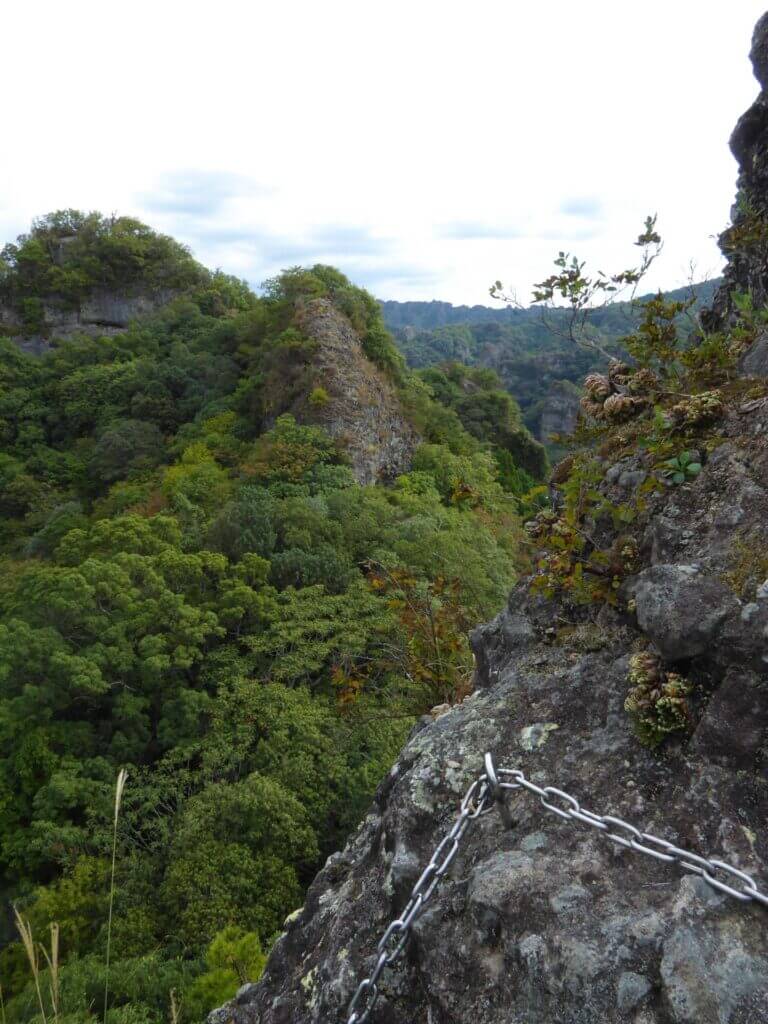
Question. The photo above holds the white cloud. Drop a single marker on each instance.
(426, 148)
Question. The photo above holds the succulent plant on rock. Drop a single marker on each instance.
(643, 381)
(619, 373)
(613, 396)
(617, 408)
(657, 700)
(698, 410)
(597, 386)
(592, 408)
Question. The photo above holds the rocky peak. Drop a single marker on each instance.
(758, 54)
(351, 397)
(83, 273)
(745, 243)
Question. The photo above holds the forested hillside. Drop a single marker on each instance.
(195, 586)
(530, 350)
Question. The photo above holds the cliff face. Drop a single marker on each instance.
(550, 922)
(359, 404)
(557, 412)
(103, 313)
(745, 242)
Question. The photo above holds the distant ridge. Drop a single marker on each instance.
(434, 313)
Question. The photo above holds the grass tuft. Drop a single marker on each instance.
(30, 948)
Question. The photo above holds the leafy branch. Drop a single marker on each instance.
(580, 294)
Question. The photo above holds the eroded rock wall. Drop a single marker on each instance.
(362, 408)
(103, 313)
(745, 243)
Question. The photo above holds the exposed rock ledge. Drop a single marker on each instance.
(103, 313)
(547, 923)
(363, 409)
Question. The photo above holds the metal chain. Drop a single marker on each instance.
(392, 944)
(488, 790)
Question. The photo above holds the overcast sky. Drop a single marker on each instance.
(425, 148)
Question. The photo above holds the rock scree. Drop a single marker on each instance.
(549, 922)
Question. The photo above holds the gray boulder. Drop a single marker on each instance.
(681, 609)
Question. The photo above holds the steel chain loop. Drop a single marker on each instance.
(487, 791)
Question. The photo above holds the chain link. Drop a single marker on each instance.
(625, 834)
(477, 800)
(488, 790)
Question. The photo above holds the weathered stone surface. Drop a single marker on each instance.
(104, 313)
(662, 539)
(747, 269)
(734, 727)
(363, 409)
(708, 974)
(754, 362)
(681, 609)
(549, 922)
(631, 990)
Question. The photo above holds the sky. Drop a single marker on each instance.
(425, 148)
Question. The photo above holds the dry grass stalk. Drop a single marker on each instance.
(28, 942)
(121, 780)
(54, 986)
(175, 1008)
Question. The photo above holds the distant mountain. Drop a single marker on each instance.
(433, 313)
(528, 348)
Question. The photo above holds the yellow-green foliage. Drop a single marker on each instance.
(233, 958)
(197, 479)
(319, 397)
(657, 700)
(749, 565)
(570, 561)
(698, 410)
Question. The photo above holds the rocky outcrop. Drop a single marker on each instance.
(745, 243)
(360, 405)
(103, 313)
(557, 413)
(549, 922)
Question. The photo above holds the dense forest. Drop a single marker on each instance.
(528, 348)
(196, 589)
